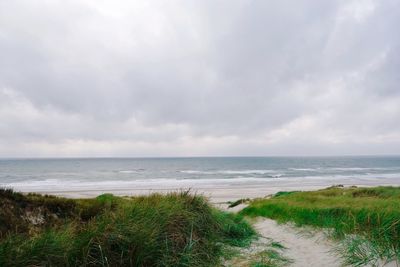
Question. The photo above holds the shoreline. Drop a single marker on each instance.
(217, 193)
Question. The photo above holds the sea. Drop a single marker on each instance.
(79, 174)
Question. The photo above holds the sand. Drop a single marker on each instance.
(217, 190)
(216, 195)
(303, 249)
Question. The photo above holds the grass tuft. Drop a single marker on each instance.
(271, 256)
(238, 202)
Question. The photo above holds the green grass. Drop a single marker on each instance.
(270, 256)
(366, 219)
(264, 252)
(177, 229)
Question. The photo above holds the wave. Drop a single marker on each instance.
(131, 171)
(268, 172)
(305, 169)
(58, 185)
(353, 169)
(247, 172)
(322, 169)
(195, 172)
(53, 185)
(229, 172)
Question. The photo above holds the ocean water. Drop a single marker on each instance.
(121, 173)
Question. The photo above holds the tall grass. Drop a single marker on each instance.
(177, 229)
(368, 219)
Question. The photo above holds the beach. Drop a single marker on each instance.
(297, 246)
(217, 192)
(96, 188)
(219, 178)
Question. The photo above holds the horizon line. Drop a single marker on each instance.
(192, 157)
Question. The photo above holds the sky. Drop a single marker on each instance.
(96, 78)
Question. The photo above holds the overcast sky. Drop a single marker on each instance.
(199, 78)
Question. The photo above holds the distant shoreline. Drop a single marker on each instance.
(220, 193)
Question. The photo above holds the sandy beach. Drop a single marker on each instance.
(219, 191)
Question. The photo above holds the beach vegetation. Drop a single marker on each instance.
(365, 220)
(175, 229)
(232, 204)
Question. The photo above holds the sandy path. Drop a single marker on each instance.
(304, 250)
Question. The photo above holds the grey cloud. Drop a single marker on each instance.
(168, 72)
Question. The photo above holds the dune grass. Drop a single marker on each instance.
(367, 220)
(177, 229)
(233, 204)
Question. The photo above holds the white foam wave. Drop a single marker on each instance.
(363, 169)
(66, 185)
(195, 172)
(247, 171)
(229, 172)
(322, 169)
(352, 169)
(131, 171)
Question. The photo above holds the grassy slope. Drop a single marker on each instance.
(368, 219)
(177, 229)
